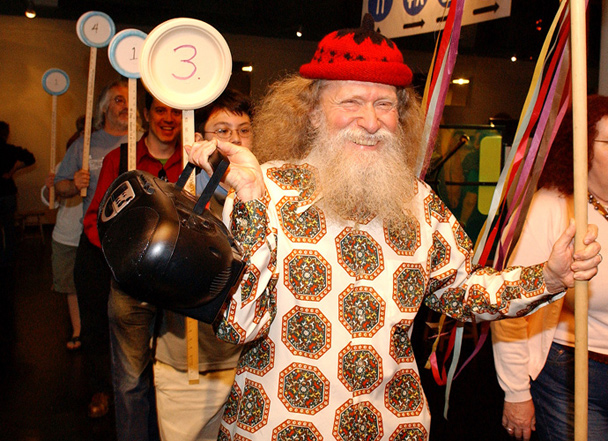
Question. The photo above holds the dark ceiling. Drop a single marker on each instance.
(521, 34)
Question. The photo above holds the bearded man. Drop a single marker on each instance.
(343, 244)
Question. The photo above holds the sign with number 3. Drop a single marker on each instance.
(185, 63)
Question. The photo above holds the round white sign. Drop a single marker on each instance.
(185, 63)
(55, 82)
(95, 29)
(124, 52)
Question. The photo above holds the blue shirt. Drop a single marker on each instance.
(102, 143)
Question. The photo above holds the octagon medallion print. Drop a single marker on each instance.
(403, 394)
(360, 421)
(295, 177)
(404, 241)
(360, 369)
(532, 280)
(409, 287)
(306, 332)
(433, 207)
(303, 389)
(410, 432)
(359, 254)
(292, 430)
(361, 310)
(306, 226)
(257, 358)
(249, 224)
(249, 284)
(439, 253)
(401, 346)
(232, 404)
(253, 407)
(307, 275)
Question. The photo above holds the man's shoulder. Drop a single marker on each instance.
(290, 167)
(103, 139)
(422, 188)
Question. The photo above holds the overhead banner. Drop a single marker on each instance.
(401, 18)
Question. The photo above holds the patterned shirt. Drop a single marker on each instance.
(325, 309)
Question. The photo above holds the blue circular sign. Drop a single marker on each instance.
(95, 29)
(55, 82)
(414, 7)
(124, 52)
(379, 9)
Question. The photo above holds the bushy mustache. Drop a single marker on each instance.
(361, 136)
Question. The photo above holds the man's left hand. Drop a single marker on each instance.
(565, 266)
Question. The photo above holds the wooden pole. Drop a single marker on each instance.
(191, 324)
(581, 299)
(132, 133)
(53, 160)
(89, 113)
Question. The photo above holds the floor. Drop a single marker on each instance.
(42, 386)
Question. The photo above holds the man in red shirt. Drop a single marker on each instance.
(131, 321)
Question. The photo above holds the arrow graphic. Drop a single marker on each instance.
(414, 25)
(486, 9)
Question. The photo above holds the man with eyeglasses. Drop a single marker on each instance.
(131, 322)
(189, 412)
(91, 273)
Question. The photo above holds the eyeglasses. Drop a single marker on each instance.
(226, 133)
(119, 99)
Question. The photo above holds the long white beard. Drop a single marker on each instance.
(358, 183)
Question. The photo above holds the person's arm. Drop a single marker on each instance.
(70, 179)
(251, 309)
(68, 188)
(22, 157)
(44, 191)
(109, 171)
(463, 292)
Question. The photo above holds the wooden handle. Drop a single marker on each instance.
(581, 299)
(53, 148)
(191, 324)
(132, 136)
(88, 122)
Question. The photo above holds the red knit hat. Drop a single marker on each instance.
(358, 55)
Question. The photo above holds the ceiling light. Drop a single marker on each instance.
(30, 12)
(461, 81)
(247, 68)
(513, 58)
(299, 32)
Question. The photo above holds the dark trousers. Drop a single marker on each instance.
(92, 277)
(8, 233)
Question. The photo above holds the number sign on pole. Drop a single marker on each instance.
(55, 82)
(95, 29)
(124, 52)
(186, 64)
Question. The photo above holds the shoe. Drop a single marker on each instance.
(74, 343)
(99, 405)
